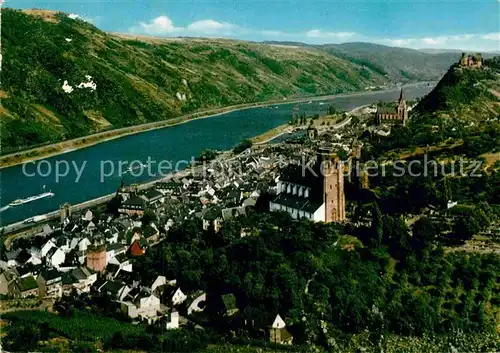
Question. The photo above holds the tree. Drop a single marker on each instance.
(331, 110)
(22, 337)
(207, 155)
(242, 146)
(424, 233)
(377, 225)
(148, 217)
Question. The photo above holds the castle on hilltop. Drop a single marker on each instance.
(393, 113)
(474, 61)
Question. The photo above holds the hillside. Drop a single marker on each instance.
(461, 115)
(397, 64)
(466, 94)
(63, 78)
(400, 64)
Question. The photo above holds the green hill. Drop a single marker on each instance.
(401, 64)
(142, 80)
(114, 80)
(463, 90)
(397, 64)
(461, 114)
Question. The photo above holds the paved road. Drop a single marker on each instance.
(18, 226)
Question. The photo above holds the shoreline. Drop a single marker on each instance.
(268, 136)
(66, 146)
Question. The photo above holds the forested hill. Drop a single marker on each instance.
(114, 81)
(138, 81)
(465, 91)
(461, 114)
(398, 64)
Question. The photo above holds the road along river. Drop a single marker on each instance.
(93, 171)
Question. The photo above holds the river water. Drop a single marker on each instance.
(94, 164)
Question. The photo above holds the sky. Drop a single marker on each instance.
(438, 24)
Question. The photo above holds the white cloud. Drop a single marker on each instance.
(443, 42)
(444, 39)
(160, 25)
(396, 42)
(491, 36)
(163, 25)
(431, 41)
(271, 33)
(317, 33)
(85, 18)
(462, 37)
(211, 26)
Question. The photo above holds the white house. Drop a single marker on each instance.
(278, 332)
(278, 322)
(111, 235)
(174, 320)
(159, 281)
(178, 297)
(34, 259)
(46, 247)
(81, 279)
(88, 216)
(65, 245)
(55, 257)
(115, 289)
(114, 250)
(84, 244)
(145, 307)
(122, 262)
(451, 204)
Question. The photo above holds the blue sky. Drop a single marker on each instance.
(471, 25)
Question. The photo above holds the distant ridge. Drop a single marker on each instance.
(487, 54)
(398, 64)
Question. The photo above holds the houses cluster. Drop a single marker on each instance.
(219, 191)
(88, 254)
(95, 254)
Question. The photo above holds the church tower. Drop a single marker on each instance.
(64, 211)
(402, 108)
(331, 176)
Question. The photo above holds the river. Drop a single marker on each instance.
(175, 143)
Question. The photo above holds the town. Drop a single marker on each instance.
(184, 253)
(94, 253)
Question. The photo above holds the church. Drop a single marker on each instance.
(393, 113)
(314, 192)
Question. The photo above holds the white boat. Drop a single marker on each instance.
(137, 166)
(43, 195)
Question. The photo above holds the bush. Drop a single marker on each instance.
(242, 146)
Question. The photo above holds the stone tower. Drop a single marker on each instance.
(331, 175)
(97, 259)
(402, 109)
(64, 211)
(463, 60)
(312, 132)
